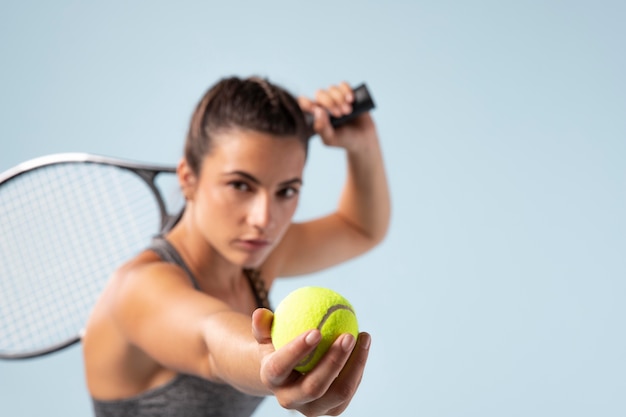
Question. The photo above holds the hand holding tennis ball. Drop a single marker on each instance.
(313, 308)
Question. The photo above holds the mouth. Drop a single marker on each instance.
(252, 245)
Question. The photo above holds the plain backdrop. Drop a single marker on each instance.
(500, 288)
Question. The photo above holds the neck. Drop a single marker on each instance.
(210, 268)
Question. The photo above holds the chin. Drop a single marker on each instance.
(252, 264)
(251, 261)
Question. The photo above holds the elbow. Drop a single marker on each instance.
(378, 235)
(373, 235)
(378, 230)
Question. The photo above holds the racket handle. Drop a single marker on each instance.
(363, 102)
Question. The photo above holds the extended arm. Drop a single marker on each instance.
(185, 330)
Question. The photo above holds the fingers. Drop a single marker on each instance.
(306, 104)
(329, 388)
(321, 121)
(348, 381)
(337, 99)
(278, 369)
(317, 382)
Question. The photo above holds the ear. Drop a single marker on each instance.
(187, 179)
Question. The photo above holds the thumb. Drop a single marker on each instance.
(262, 319)
(322, 125)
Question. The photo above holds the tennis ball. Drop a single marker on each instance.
(313, 308)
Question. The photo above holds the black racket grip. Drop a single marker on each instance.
(363, 102)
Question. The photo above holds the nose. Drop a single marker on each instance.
(260, 213)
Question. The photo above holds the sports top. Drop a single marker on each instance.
(187, 395)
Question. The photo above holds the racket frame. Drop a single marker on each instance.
(147, 172)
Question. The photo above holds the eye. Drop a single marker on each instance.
(288, 192)
(239, 185)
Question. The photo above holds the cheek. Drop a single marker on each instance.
(216, 207)
(286, 213)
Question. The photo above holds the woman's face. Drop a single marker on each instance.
(247, 193)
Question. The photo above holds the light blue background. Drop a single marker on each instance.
(500, 290)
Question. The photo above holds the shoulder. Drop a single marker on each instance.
(137, 279)
(147, 271)
(139, 276)
(145, 287)
(142, 292)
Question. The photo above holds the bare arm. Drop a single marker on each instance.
(188, 331)
(361, 218)
(158, 311)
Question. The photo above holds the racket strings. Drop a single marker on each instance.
(64, 228)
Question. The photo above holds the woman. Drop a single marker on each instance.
(183, 329)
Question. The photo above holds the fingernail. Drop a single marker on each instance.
(348, 343)
(312, 338)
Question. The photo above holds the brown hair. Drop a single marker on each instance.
(252, 103)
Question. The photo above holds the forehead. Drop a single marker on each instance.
(257, 153)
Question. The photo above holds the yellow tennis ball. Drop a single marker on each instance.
(313, 308)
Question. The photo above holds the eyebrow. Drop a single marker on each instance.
(253, 179)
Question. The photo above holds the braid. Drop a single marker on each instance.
(270, 92)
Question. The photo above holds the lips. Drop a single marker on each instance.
(252, 244)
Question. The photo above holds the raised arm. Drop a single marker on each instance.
(361, 218)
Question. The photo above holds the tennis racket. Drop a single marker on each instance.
(363, 102)
(66, 222)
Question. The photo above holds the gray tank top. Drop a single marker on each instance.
(187, 395)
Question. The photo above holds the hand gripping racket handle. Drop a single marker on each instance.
(363, 102)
